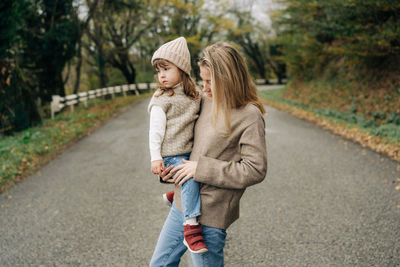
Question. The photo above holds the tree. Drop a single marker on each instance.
(82, 28)
(314, 33)
(124, 23)
(18, 108)
(254, 41)
(95, 48)
(50, 40)
(196, 22)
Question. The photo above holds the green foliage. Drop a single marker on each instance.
(37, 39)
(17, 107)
(49, 37)
(388, 130)
(145, 77)
(11, 21)
(394, 118)
(378, 115)
(314, 32)
(349, 117)
(116, 77)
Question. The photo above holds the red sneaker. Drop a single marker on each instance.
(168, 198)
(193, 239)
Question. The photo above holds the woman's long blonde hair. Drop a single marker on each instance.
(231, 83)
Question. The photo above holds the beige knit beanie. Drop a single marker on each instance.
(175, 51)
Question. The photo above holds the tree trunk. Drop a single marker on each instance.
(78, 66)
(17, 107)
(101, 64)
(129, 73)
(60, 89)
(126, 67)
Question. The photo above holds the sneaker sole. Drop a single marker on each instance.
(201, 251)
(166, 201)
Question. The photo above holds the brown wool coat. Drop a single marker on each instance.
(227, 165)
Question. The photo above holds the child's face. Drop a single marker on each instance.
(169, 75)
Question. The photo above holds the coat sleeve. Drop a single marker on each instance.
(250, 169)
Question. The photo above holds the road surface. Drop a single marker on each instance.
(325, 202)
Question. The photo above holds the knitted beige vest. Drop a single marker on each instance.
(181, 112)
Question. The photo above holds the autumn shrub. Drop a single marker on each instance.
(390, 131)
(394, 118)
(360, 90)
(343, 55)
(315, 32)
(349, 117)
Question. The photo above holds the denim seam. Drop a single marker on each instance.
(166, 257)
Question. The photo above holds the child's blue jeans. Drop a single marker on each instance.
(190, 191)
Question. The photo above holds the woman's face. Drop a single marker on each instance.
(206, 77)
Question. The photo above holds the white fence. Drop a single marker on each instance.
(58, 103)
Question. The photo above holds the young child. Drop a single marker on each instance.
(173, 110)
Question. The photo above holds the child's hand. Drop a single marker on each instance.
(157, 166)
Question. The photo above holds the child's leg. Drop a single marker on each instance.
(190, 195)
(190, 191)
(168, 197)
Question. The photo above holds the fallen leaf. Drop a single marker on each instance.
(397, 187)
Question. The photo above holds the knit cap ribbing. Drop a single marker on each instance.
(176, 52)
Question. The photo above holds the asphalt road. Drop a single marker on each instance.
(325, 202)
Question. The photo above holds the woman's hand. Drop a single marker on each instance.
(166, 175)
(186, 171)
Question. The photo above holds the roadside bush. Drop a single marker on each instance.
(394, 118)
(349, 117)
(388, 130)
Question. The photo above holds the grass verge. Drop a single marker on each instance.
(24, 153)
(384, 138)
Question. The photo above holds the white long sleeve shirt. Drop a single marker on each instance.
(158, 123)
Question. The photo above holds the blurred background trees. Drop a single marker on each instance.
(343, 55)
(362, 32)
(38, 39)
(67, 46)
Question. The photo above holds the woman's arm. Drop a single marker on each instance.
(251, 169)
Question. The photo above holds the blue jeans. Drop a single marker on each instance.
(190, 190)
(170, 247)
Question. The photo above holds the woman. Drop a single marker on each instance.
(229, 154)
